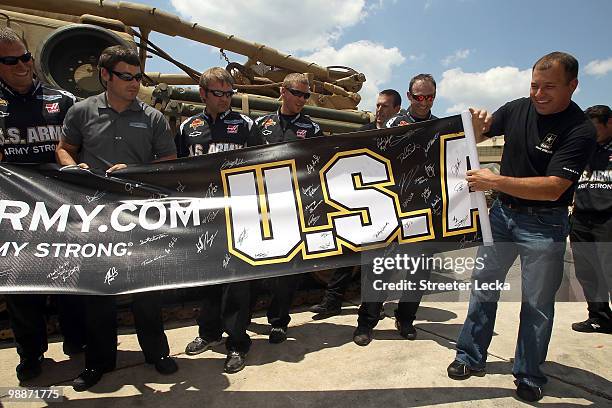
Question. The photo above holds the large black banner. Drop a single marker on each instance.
(258, 212)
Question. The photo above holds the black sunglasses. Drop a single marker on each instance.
(299, 94)
(124, 76)
(13, 60)
(218, 93)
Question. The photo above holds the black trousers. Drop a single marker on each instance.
(283, 290)
(591, 242)
(27, 315)
(369, 311)
(226, 308)
(338, 284)
(101, 311)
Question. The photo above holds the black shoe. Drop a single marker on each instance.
(593, 325)
(458, 370)
(166, 365)
(277, 335)
(29, 368)
(362, 337)
(327, 308)
(200, 345)
(72, 349)
(406, 330)
(88, 378)
(528, 392)
(234, 362)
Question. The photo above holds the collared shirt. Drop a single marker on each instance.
(406, 118)
(594, 191)
(140, 134)
(277, 128)
(31, 123)
(200, 134)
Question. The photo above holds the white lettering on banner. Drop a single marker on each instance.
(151, 215)
(266, 220)
(264, 228)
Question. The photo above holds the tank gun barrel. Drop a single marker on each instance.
(152, 18)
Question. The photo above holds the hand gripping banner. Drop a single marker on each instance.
(252, 213)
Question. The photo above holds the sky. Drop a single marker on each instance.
(479, 51)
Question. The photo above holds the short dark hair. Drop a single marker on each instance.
(569, 63)
(8, 35)
(111, 56)
(421, 77)
(397, 99)
(601, 113)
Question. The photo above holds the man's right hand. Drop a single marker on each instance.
(481, 122)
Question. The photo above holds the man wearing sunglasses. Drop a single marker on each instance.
(284, 125)
(108, 132)
(421, 94)
(31, 115)
(388, 104)
(216, 130)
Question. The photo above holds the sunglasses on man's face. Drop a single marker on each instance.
(124, 76)
(299, 94)
(219, 93)
(421, 98)
(13, 60)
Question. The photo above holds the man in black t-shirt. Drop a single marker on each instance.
(218, 129)
(31, 115)
(287, 124)
(591, 227)
(548, 140)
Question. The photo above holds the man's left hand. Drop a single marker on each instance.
(117, 166)
(482, 179)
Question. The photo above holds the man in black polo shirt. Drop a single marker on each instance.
(31, 115)
(388, 104)
(548, 140)
(284, 125)
(591, 227)
(421, 94)
(219, 129)
(108, 132)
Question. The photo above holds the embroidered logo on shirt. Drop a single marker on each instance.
(195, 134)
(232, 129)
(52, 107)
(269, 122)
(196, 123)
(138, 125)
(301, 133)
(547, 143)
(3, 102)
(49, 97)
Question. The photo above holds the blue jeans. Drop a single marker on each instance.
(539, 240)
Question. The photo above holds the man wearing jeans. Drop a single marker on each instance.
(548, 140)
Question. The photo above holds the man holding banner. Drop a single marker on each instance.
(421, 94)
(107, 133)
(548, 140)
(31, 115)
(219, 129)
(388, 104)
(287, 124)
